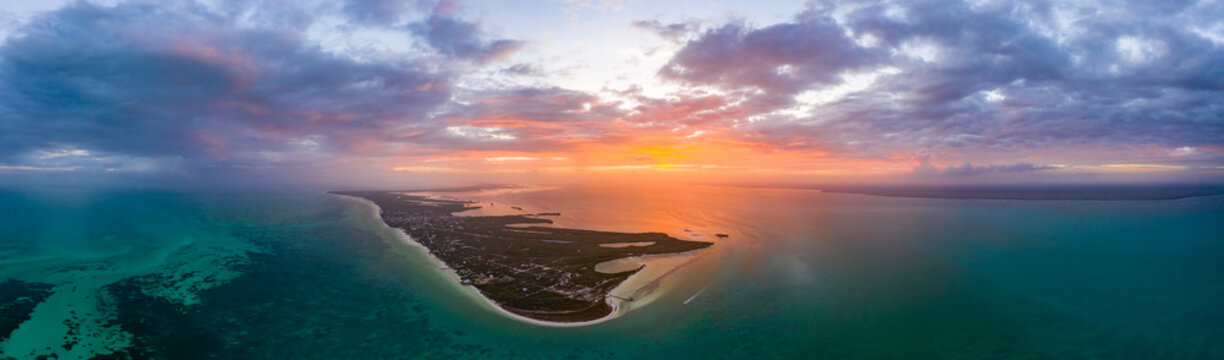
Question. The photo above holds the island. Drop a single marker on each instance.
(538, 272)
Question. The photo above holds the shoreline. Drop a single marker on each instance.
(446, 269)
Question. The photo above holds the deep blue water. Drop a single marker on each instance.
(301, 274)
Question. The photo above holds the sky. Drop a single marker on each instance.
(378, 92)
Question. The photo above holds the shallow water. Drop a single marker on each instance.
(803, 274)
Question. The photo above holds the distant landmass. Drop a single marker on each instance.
(543, 273)
(1036, 192)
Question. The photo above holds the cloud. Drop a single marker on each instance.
(534, 104)
(967, 169)
(35, 168)
(537, 119)
(381, 12)
(603, 5)
(673, 32)
(779, 59)
(184, 85)
(195, 88)
(968, 81)
(457, 38)
(519, 69)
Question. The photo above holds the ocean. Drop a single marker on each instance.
(184, 274)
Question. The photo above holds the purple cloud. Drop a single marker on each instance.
(457, 38)
(967, 169)
(783, 58)
(969, 81)
(184, 82)
(673, 32)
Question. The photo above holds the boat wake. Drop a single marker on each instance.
(690, 299)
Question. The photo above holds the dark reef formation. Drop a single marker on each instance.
(540, 272)
(17, 301)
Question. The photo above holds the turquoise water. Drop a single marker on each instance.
(301, 274)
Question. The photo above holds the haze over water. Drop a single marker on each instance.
(803, 274)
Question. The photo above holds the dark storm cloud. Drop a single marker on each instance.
(184, 82)
(970, 80)
(193, 85)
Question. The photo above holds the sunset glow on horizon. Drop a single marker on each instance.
(398, 91)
